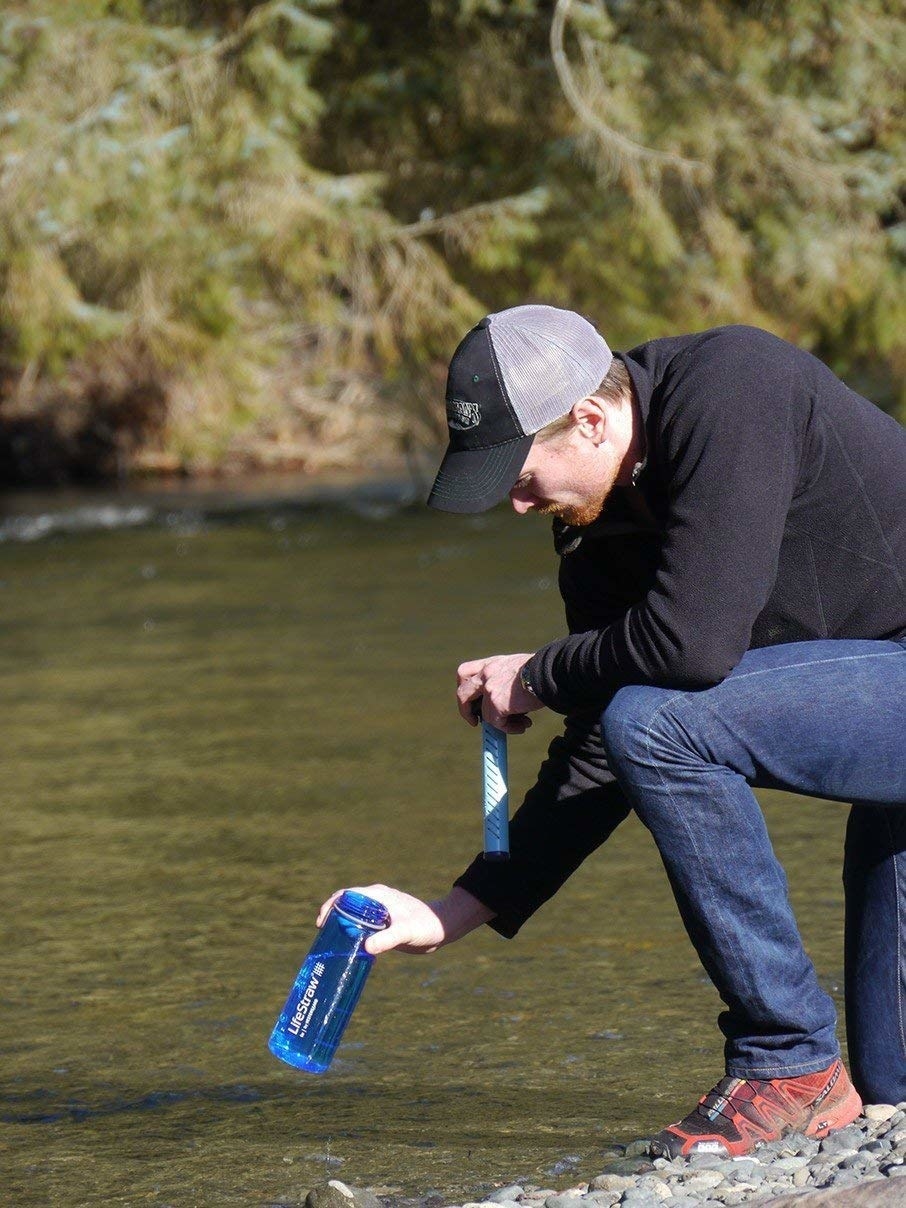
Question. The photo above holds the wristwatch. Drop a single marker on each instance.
(526, 682)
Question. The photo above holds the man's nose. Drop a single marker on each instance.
(520, 505)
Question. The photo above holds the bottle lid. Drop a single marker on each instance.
(361, 909)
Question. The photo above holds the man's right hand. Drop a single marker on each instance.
(416, 926)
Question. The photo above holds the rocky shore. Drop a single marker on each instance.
(860, 1166)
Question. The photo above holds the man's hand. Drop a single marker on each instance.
(495, 681)
(417, 926)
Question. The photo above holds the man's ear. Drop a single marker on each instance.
(590, 417)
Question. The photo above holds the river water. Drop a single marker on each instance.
(211, 725)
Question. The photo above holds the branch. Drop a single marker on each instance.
(617, 146)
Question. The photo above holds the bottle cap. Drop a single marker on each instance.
(361, 909)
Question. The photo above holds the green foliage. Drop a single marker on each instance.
(157, 209)
(279, 217)
(704, 162)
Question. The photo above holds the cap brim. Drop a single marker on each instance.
(473, 480)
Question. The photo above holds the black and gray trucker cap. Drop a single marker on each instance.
(512, 375)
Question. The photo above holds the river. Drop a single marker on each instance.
(214, 718)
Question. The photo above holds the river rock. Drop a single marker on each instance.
(657, 1187)
(796, 1143)
(704, 1161)
(511, 1192)
(743, 1171)
(879, 1111)
(873, 1193)
(703, 1180)
(844, 1138)
(364, 1197)
(330, 1195)
(631, 1166)
(635, 1197)
(638, 1149)
(612, 1182)
(790, 1165)
(856, 1161)
(878, 1145)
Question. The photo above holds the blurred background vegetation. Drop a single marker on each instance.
(240, 235)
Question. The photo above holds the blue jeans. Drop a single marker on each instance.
(824, 718)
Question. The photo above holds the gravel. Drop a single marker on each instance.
(874, 1147)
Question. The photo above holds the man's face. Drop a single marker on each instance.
(568, 476)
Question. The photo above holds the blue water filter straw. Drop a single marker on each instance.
(496, 797)
(329, 984)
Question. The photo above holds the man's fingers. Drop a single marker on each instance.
(471, 668)
(469, 688)
(468, 694)
(327, 907)
(384, 941)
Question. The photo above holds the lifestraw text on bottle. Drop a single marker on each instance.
(307, 1004)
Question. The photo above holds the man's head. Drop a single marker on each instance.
(538, 409)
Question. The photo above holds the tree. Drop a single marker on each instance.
(235, 232)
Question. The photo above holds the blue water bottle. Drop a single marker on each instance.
(327, 989)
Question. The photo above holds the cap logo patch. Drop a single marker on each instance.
(462, 415)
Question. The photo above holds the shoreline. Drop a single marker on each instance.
(28, 514)
(863, 1164)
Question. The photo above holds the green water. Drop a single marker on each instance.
(205, 732)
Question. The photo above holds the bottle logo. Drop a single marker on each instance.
(305, 1007)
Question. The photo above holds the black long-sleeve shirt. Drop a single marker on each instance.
(771, 508)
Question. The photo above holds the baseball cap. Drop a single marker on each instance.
(514, 373)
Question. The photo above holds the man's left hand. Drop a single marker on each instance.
(495, 682)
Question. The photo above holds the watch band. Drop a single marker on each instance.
(526, 682)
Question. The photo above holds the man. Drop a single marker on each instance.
(731, 525)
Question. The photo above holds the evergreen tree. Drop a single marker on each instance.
(235, 232)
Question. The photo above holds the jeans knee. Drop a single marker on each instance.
(631, 722)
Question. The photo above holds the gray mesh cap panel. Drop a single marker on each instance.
(549, 359)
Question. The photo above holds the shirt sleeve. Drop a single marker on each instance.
(728, 450)
(572, 808)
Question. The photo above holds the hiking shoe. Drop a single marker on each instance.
(741, 1113)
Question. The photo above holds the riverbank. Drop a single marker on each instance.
(863, 1164)
(30, 514)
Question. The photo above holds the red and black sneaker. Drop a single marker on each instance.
(740, 1113)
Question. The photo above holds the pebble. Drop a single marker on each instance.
(637, 1149)
(703, 1180)
(631, 1166)
(879, 1111)
(612, 1182)
(790, 1165)
(635, 1197)
(844, 1138)
(657, 1187)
